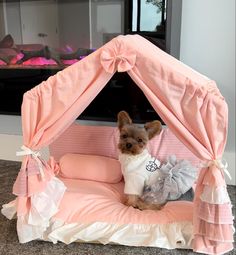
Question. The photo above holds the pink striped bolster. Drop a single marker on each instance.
(214, 232)
(206, 246)
(218, 214)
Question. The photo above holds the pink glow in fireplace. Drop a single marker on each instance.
(35, 55)
(37, 61)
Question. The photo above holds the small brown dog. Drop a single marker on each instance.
(138, 166)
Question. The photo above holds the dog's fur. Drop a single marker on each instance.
(133, 140)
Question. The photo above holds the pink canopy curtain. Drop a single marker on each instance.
(189, 103)
(47, 110)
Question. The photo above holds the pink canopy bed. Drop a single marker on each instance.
(57, 204)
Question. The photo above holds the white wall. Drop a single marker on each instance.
(14, 20)
(2, 22)
(74, 23)
(106, 19)
(208, 45)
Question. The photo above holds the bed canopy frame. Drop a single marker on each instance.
(189, 103)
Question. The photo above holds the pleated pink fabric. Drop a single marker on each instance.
(189, 103)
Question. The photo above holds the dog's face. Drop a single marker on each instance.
(133, 139)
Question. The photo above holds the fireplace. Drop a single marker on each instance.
(38, 38)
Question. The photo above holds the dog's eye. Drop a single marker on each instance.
(124, 136)
(140, 140)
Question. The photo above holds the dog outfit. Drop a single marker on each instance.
(155, 183)
(175, 181)
(138, 171)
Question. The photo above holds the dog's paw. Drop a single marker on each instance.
(145, 206)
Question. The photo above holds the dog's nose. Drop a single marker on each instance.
(128, 145)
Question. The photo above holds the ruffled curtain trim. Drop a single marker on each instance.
(215, 195)
(215, 232)
(29, 181)
(43, 206)
(216, 214)
(206, 246)
(9, 210)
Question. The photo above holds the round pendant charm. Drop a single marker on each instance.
(152, 166)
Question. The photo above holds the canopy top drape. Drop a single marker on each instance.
(59, 100)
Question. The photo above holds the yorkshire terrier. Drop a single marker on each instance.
(139, 168)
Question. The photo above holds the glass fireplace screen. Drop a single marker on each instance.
(41, 37)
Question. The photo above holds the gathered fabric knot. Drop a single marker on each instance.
(117, 58)
(35, 154)
(220, 164)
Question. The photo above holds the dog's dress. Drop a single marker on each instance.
(175, 181)
(155, 183)
(138, 171)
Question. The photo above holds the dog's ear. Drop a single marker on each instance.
(153, 128)
(123, 119)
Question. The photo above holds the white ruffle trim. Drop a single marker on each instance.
(43, 206)
(215, 195)
(9, 210)
(169, 236)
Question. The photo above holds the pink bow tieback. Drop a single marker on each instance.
(121, 61)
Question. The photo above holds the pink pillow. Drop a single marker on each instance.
(90, 167)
